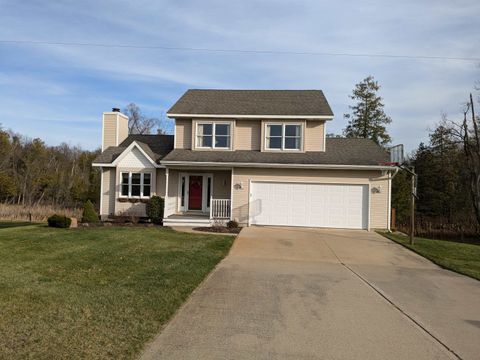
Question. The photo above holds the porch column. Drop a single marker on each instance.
(165, 204)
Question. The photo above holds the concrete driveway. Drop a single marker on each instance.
(297, 293)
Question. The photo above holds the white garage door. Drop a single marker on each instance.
(308, 204)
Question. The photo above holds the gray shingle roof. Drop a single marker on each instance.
(339, 151)
(156, 146)
(253, 102)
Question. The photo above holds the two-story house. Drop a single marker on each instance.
(259, 157)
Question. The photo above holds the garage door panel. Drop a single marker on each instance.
(308, 204)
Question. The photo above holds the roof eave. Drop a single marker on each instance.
(236, 116)
(277, 165)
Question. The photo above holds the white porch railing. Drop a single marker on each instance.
(220, 208)
(170, 205)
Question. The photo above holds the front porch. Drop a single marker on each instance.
(197, 197)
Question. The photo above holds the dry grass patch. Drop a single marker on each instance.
(38, 213)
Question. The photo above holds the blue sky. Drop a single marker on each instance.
(58, 93)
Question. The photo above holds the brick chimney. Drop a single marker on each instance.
(114, 128)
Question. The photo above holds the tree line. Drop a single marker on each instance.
(33, 173)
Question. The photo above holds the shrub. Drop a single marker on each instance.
(59, 221)
(232, 224)
(89, 213)
(154, 208)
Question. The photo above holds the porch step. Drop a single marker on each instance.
(186, 221)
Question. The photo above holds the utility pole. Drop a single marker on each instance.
(412, 208)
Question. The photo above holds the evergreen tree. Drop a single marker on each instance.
(89, 213)
(368, 119)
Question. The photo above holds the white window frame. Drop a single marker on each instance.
(142, 184)
(214, 125)
(283, 124)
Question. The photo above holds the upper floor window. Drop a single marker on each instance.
(213, 135)
(283, 137)
(135, 184)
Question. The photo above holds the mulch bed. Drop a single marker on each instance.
(219, 229)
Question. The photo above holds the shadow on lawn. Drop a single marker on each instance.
(12, 224)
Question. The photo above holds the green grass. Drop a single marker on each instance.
(459, 257)
(95, 293)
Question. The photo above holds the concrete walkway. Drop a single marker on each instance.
(296, 293)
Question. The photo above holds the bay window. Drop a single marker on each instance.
(213, 135)
(135, 184)
(283, 137)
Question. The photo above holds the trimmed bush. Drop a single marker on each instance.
(154, 208)
(59, 221)
(89, 213)
(232, 224)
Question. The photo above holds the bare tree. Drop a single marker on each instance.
(139, 123)
(469, 136)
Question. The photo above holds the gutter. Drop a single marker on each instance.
(276, 165)
(111, 165)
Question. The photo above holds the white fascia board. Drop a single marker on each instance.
(279, 117)
(274, 165)
(102, 165)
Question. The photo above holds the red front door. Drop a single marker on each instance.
(195, 193)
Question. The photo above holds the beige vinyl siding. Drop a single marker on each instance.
(160, 184)
(378, 201)
(221, 184)
(248, 135)
(122, 128)
(379, 206)
(108, 192)
(183, 133)
(115, 129)
(109, 130)
(315, 135)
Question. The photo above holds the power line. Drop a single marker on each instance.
(240, 51)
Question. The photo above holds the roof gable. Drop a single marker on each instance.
(154, 147)
(134, 157)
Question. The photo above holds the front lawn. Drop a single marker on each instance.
(460, 257)
(95, 293)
